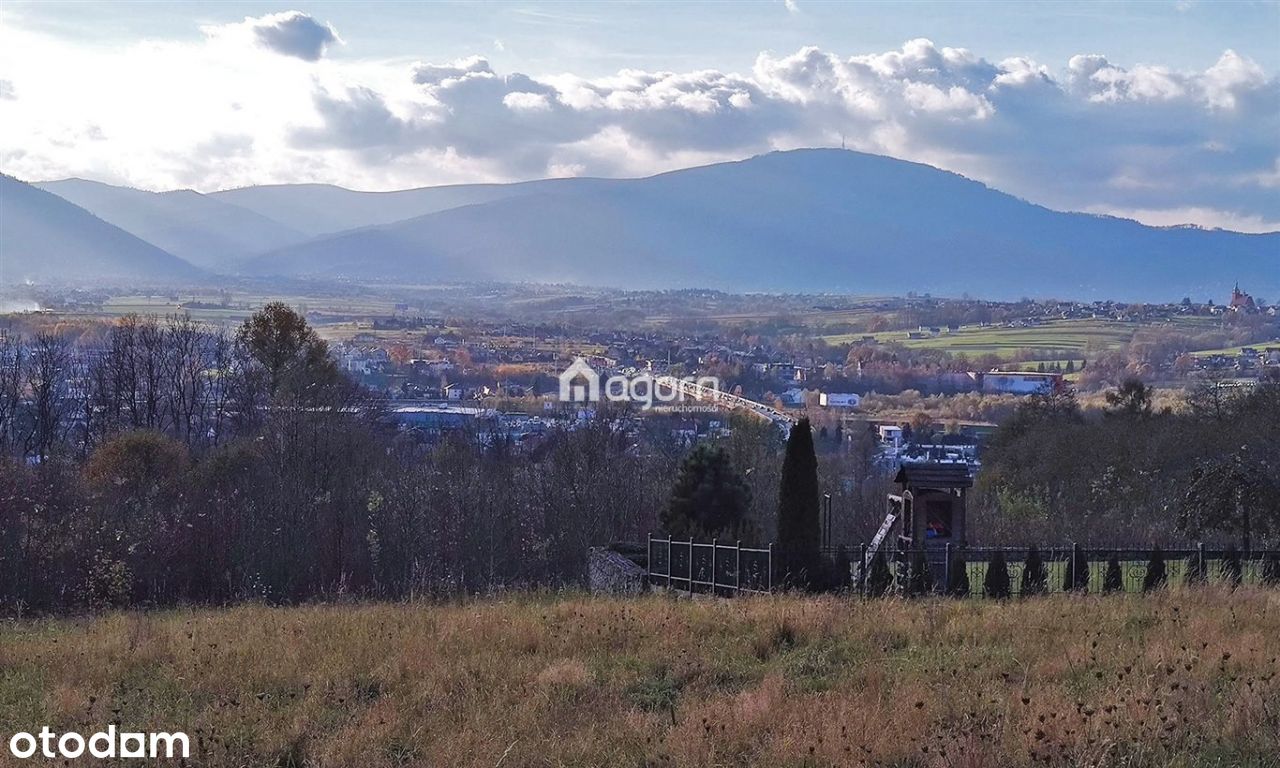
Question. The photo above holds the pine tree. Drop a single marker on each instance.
(879, 579)
(958, 576)
(1113, 581)
(1035, 579)
(1157, 575)
(709, 498)
(798, 527)
(1075, 578)
(996, 582)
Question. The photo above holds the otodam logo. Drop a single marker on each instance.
(102, 745)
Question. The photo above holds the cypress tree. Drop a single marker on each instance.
(1075, 578)
(996, 582)
(879, 579)
(798, 527)
(1113, 581)
(1232, 569)
(1156, 576)
(958, 576)
(1035, 579)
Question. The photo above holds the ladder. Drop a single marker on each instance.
(889, 519)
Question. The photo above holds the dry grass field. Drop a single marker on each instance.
(1184, 678)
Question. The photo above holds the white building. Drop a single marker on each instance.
(839, 400)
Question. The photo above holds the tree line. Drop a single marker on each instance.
(1134, 474)
(169, 462)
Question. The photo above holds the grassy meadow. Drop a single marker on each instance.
(1183, 678)
(1051, 341)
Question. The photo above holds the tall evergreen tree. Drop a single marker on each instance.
(958, 576)
(996, 581)
(1270, 573)
(1113, 581)
(879, 578)
(709, 498)
(1232, 569)
(1157, 575)
(799, 537)
(920, 581)
(1035, 579)
(1197, 570)
(842, 569)
(1075, 578)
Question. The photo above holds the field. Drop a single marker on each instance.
(1054, 340)
(1183, 678)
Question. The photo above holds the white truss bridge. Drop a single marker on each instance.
(699, 393)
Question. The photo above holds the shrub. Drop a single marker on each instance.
(1157, 575)
(958, 576)
(1075, 577)
(1035, 579)
(921, 580)
(1270, 569)
(879, 579)
(1113, 580)
(1232, 570)
(1197, 569)
(842, 569)
(996, 582)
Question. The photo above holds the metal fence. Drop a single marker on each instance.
(1060, 563)
(717, 568)
(714, 568)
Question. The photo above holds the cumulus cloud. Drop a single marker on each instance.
(443, 74)
(290, 33)
(1084, 134)
(6, 90)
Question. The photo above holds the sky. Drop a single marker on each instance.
(1167, 112)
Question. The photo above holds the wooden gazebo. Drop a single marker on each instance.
(930, 504)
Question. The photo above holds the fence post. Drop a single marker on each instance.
(946, 571)
(649, 559)
(1202, 568)
(770, 567)
(737, 567)
(668, 562)
(714, 546)
(862, 569)
(690, 566)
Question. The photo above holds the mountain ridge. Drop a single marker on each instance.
(212, 234)
(44, 237)
(755, 213)
(798, 220)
